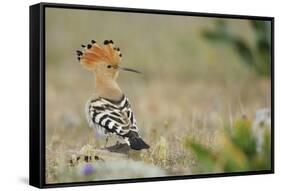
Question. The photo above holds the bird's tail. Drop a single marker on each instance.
(137, 143)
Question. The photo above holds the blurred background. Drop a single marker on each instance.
(203, 101)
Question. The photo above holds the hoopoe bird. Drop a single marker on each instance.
(109, 110)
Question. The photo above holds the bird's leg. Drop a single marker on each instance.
(117, 142)
(106, 141)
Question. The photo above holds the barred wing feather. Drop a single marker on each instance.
(112, 116)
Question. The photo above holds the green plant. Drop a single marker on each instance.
(236, 150)
(257, 56)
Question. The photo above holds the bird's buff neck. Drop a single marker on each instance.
(107, 88)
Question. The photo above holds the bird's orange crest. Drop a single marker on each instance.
(94, 54)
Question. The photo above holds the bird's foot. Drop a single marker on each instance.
(119, 148)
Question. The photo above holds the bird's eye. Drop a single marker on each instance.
(109, 66)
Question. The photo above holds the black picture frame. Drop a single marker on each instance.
(37, 94)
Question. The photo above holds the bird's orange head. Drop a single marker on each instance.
(102, 59)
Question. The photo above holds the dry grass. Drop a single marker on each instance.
(162, 113)
(188, 89)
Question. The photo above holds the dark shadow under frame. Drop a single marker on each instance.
(37, 94)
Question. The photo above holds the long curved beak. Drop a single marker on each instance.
(129, 70)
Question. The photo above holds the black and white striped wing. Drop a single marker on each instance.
(112, 116)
